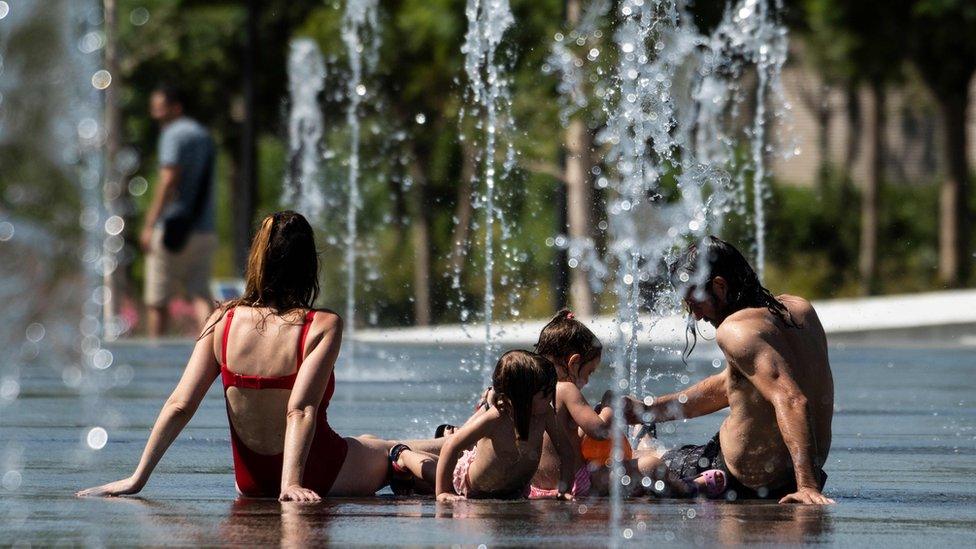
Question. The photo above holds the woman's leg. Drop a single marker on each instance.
(365, 469)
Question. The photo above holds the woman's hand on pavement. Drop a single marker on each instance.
(124, 487)
(297, 493)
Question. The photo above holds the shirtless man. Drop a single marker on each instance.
(777, 386)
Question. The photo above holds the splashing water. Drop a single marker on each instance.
(306, 79)
(750, 36)
(670, 143)
(57, 132)
(488, 20)
(359, 24)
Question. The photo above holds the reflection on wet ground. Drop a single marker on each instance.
(903, 465)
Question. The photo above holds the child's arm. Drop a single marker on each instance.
(592, 425)
(467, 436)
(567, 461)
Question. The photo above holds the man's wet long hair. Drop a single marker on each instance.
(719, 258)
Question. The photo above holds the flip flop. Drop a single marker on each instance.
(715, 483)
(442, 428)
(401, 480)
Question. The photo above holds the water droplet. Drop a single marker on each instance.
(628, 533)
(35, 332)
(9, 389)
(716, 363)
(97, 438)
(102, 359)
(138, 186)
(88, 128)
(361, 90)
(6, 231)
(11, 479)
(4, 9)
(420, 118)
(139, 16)
(114, 225)
(102, 79)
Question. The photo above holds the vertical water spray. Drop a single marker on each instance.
(306, 79)
(749, 37)
(662, 195)
(769, 50)
(487, 22)
(56, 225)
(358, 24)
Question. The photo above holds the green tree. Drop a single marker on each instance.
(940, 42)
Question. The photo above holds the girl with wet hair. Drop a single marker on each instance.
(495, 453)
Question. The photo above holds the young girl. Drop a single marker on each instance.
(575, 352)
(495, 453)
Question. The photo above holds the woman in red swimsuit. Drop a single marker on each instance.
(275, 356)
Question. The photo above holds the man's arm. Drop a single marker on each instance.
(705, 397)
(169, 180)
(771, 373)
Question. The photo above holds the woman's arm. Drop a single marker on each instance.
(567, 461)
(306, 395)
(467, 436)
(201, 370)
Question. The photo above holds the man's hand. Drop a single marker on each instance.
(447, 497)
(810, 496)
(145, 239)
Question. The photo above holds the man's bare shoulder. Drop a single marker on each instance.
(739, 335)
(795, 303)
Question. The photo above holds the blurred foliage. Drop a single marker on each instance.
(813, 232)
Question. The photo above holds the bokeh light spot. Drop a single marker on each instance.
(102, 79)
(12, 479)
(139, 16)
(97, 438)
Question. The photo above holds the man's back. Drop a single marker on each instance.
(187, 145)
(751, 438)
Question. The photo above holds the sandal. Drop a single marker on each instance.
(715, 483)
(401, 479)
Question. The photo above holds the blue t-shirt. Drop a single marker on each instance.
(184, 143)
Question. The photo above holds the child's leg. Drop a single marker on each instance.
(421, 465)
(429, 446)
(652, 467)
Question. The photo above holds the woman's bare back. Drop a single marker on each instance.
(267, 345)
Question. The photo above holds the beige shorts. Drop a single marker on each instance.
(188, 270)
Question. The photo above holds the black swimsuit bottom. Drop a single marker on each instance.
(690, 461)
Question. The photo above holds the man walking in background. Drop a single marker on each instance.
(178, 231)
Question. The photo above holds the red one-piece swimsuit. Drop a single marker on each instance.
(259, 475)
